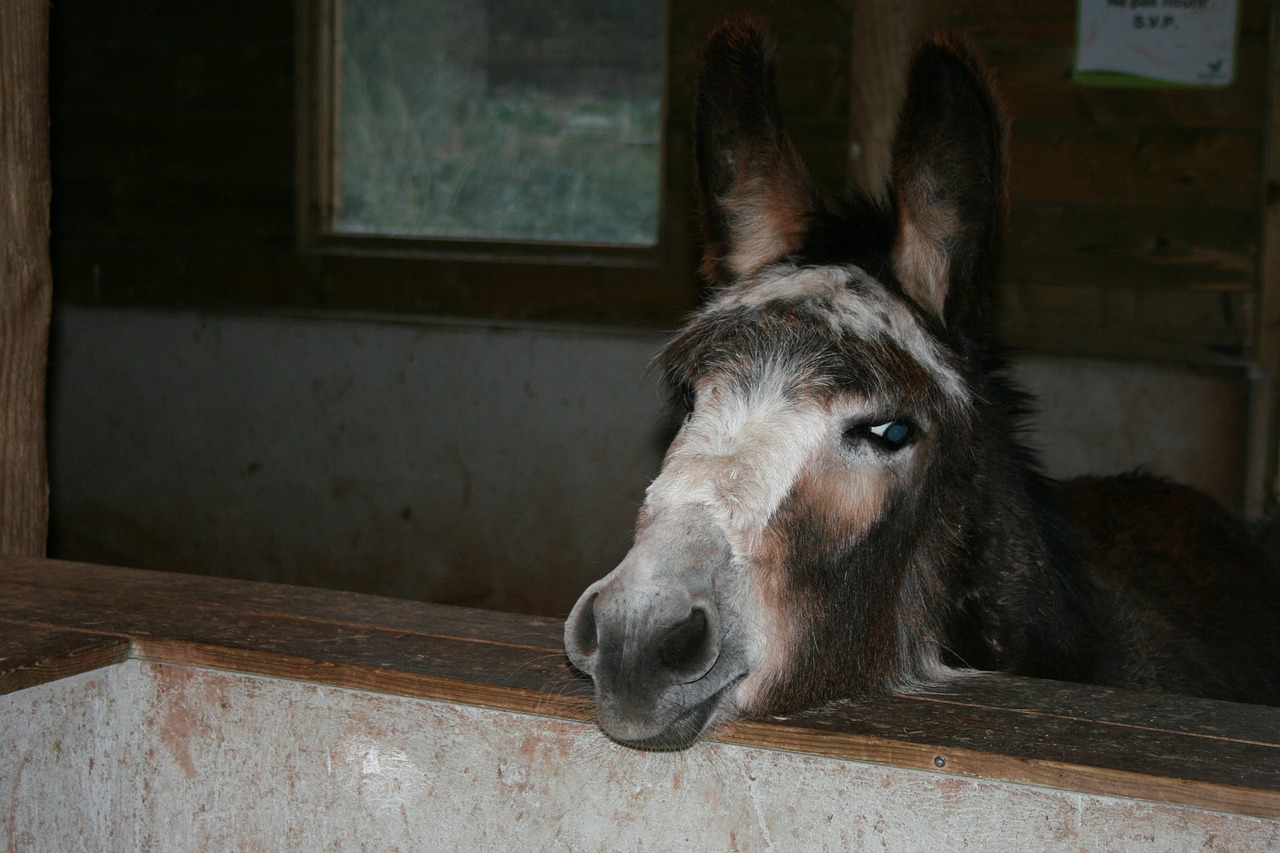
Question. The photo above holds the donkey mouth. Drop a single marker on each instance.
(680, 732)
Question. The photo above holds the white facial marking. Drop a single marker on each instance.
(736, 459)
(739, 455)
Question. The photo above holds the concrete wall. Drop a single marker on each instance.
(469, 464)
(145, 756)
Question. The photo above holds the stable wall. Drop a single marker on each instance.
(465, 464)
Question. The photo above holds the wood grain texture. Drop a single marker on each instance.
(31, 655)
(885, 33)
(26, 276)
(1033, 75)
(58, 617)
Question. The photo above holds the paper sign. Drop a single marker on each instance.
(1156, 42)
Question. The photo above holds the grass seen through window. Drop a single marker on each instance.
(471, 120)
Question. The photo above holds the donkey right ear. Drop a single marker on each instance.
(949, 179)
(756, 195)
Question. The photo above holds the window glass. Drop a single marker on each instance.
(500, 120)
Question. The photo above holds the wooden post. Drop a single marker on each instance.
(1268, 345)
(26, 276)
(885, 33)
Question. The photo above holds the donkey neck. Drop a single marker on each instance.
(1018, 601)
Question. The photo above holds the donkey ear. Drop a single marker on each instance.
(757, 198)
(949, 180)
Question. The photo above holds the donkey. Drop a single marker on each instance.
(847, 508)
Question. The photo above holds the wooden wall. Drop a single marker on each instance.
(173, 148)
(1137, 214)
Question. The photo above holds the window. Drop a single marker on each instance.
(497, 159)
(230, 184)
(500, 120)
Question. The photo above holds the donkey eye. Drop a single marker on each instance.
(687, 398)
(892, 432)
(890, 435)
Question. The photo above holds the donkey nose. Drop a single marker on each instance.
(673, 639)
(581, 641)
(688, 650)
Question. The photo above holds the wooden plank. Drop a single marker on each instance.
(1189, 327)
(1032, 766)
(1149, 248)
(1243, 724)
(973, 739)
(996, 13)
(1032, 736)
(402, 639)
(813, 83)
(1168, 168)
(885, 33)
(26, 275)
(820, 22)
(283, 646)
(32, 654)
(1035, 81)
(231, 273)
(267, 599)
(1192, 752)
(983, 23)
(566, 699)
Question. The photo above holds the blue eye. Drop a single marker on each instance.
(893, 432)
(889, 435)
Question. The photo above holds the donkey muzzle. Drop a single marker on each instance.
(651, 636)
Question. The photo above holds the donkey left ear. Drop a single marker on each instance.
(757, 198)
(949, 171)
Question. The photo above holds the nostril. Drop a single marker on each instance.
(583, 630)
(686, 648)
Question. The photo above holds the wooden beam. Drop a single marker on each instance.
(884, 34)
(26, 278)
(1268, 320)
(1191, 752)
(30, 655)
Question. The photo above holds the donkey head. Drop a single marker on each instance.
(793, 547)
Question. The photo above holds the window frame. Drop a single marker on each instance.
(540, 280)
